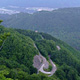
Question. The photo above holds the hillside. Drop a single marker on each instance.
(18, 51)
(61, 23)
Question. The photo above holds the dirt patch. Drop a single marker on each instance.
(39, 60)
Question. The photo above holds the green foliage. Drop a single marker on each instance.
(3, 37)
(34, 35)
(66, 72)
(46, 47)
(16, 56)
(67, 54)
(1, 21)
(61, 23)
(18, 51)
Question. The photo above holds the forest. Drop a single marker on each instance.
(62, 23)
(17, 52)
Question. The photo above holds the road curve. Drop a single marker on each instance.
(41, 69)
(44, 64)
(54, 68)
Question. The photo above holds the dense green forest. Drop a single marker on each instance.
(18, 51)
(61, 23)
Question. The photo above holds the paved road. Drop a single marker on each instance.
(45, 64)
(54, 68)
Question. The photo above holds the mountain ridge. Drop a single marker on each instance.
(62, 23)
(17, 54)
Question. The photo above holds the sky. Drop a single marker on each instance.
(41, 3)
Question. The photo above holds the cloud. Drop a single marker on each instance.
(40, 8)
(7, 11)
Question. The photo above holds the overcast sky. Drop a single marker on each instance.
(41, 3)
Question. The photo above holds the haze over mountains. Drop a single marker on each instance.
(14, 6)
(30, 42)
(16, 9)
(61, 23)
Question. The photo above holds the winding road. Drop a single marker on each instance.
(45, 64)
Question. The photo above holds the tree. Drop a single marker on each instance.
(1, 21)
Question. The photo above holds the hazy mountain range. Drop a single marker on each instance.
(29, 6)
(61, 23)
(26, 46)
(16, 9)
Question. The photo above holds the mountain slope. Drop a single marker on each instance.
(61, 23)
(47, 46)
(18, 51)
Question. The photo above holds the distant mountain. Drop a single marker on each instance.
(15, 9)
(18, 50)
(61, 23)
(8, 11)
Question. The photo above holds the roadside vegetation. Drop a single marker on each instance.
(18, 51)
